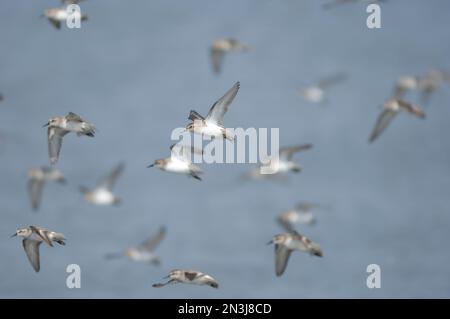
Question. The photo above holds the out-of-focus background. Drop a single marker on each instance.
(136, 68)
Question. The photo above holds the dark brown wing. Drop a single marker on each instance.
(190, 275)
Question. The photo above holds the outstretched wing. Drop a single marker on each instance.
(151, 243)
(410, 108)
(281, 259)
(109, 181)
(288, 152)
(73, 117)
(217, 56)
(42, 233)
(31, 248)
(382, 122)
(184, 152)
(218, 110)
(55, 136)
(195, 116)
(35, 191)
(332, 80)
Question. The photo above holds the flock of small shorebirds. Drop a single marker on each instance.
(179, 161)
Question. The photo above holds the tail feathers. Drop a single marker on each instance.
(61, 242)
(88, 130)
(316, 251)
(214, 285)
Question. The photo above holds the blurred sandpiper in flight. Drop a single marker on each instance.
(180, 161)
(431, 82)
(212, 124)
(33, 236)
(301, 214)
(102, 194)
(315, 93)
(391, 108)
(283, 165)
(59, 15)
(37, 177)
(145, 251)
(58, 127)
(285, 244)
(188, 277)
(220, 47)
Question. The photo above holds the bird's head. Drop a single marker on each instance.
(157, 163)
(277, 239)
(23, 232)
(52, 121)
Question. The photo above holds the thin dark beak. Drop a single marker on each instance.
(47, 124)
(270, 242)
(14, 235)
(151, 165)
(166, 277)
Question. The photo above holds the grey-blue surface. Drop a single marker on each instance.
(136, 68)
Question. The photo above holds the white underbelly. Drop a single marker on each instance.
(137, 255)
(212, 130)
(61, 15)
(178, 166)
(102, 197)
(313, 94)
(281, 167)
